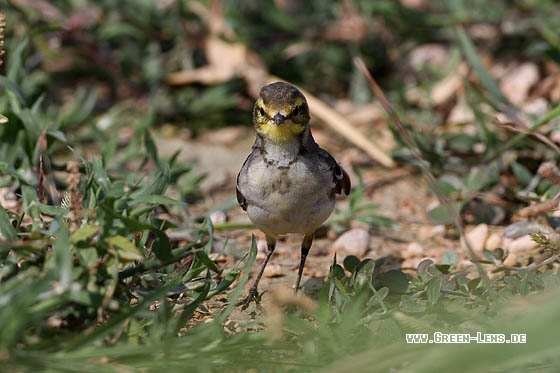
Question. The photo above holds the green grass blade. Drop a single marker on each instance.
(116, 320)
(6, 227)
(236, 293)
(472, 56)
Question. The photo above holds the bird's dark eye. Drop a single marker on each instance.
(297, 111)
(261, 111)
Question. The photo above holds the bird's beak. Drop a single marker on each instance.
(279, 119)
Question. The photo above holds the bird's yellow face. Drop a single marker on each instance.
(281, 113)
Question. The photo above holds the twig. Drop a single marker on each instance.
(547, 261)
(540, 208)
(554, 112)
(504, 122)
(550, 172)
(421, 162)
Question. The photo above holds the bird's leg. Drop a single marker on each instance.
(305, 246)
(254, 293)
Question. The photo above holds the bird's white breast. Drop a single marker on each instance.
(288, 198)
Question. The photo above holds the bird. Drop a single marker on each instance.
(287, 184)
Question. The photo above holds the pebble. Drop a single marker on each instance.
(477, 238)
(262, 248)
(519, 250)
(517, 83)
(521, 245)
(412, 250)
(273, 270)
(353, 242)
(218, 217)
(494, 241)
(430, 231)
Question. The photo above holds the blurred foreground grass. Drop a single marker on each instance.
(90, 280)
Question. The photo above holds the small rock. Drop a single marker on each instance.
(510, 260)
(517, 83)
(429, 231)
(494, 241)
(414, 4)
(8, 199)
(218, 217)
(477, 238)
(521, 246)
(479, 148)
(506, 241)
(273, 270)
(464, 263)
(461, 113)
(417, 95)
(446, 89)
(522, 228)
(555, 136)
(537, 107)
(412, 250)
(434, 55)
(262, 249)
(483, 31)
(312, 286)
(353, 242)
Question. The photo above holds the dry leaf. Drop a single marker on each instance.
(504, 122)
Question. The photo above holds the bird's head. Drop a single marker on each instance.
(281, 113)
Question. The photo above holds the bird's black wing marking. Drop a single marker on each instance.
(340, 177)
(241, 200)
(342, 180)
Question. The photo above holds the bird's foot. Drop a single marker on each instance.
(253, 296)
